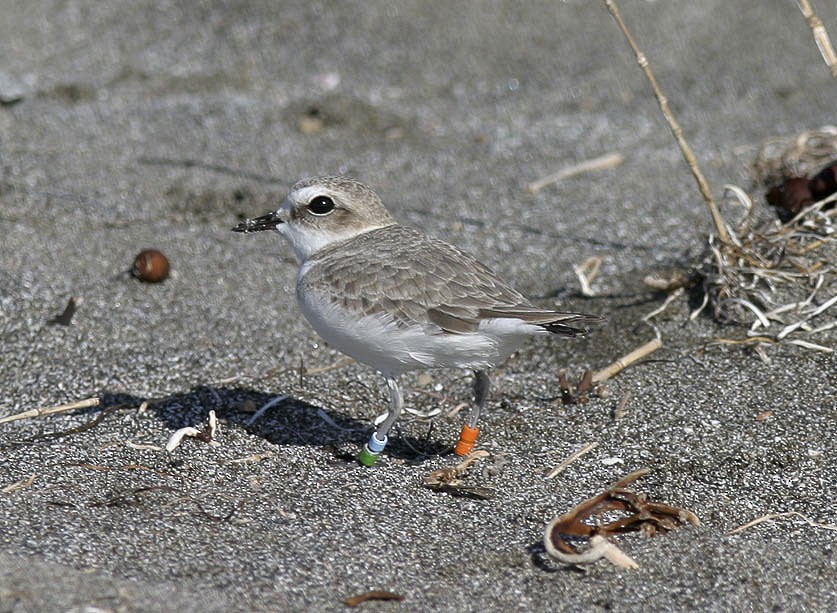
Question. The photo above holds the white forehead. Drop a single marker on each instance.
(306, 194)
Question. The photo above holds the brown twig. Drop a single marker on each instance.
(373, 595)
(676, 130)
(448, 479)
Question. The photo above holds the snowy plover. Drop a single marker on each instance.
(399, 300)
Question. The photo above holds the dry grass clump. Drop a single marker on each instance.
(774, 272)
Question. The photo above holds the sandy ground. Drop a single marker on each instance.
(127, 125)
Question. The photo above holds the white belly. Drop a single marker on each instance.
(376, 340)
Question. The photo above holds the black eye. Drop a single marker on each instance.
(321, 205)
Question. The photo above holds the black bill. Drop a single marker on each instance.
(258, 224)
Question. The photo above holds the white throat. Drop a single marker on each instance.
(306, 242)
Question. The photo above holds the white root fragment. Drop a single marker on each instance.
(669, 299)
(143, 446)
(599, 548)
(177, 437)
(794, 326)
(611, 160)
(213, 425)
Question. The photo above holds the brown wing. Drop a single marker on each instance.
(423, 280)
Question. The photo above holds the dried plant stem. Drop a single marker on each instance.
(625, 361)
(611, 160)
(772, 516)
(820, 36)
(19, 485)
(572, 458)
(676, 130)
(586, 273)
(81, 404)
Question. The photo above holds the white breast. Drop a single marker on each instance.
(376, 340)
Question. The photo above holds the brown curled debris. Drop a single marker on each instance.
(638, 515)
(448, 479)
(373, 595)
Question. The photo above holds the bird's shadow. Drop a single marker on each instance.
(287, 421)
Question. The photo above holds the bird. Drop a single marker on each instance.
(397, 300)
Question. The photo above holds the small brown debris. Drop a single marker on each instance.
(312, 122)
(583, 389)
(793, 195)
(448, 479)
(824, 183)
(67, 315)
(585, 385)
(622, 407)
(676, 280)
(639, 515)
(564, 385)
(150, 266)
(764, 415)
(373, 595)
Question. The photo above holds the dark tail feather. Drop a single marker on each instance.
(561, 327)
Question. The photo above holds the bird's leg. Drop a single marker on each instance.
(469, 433)
(378, 440)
